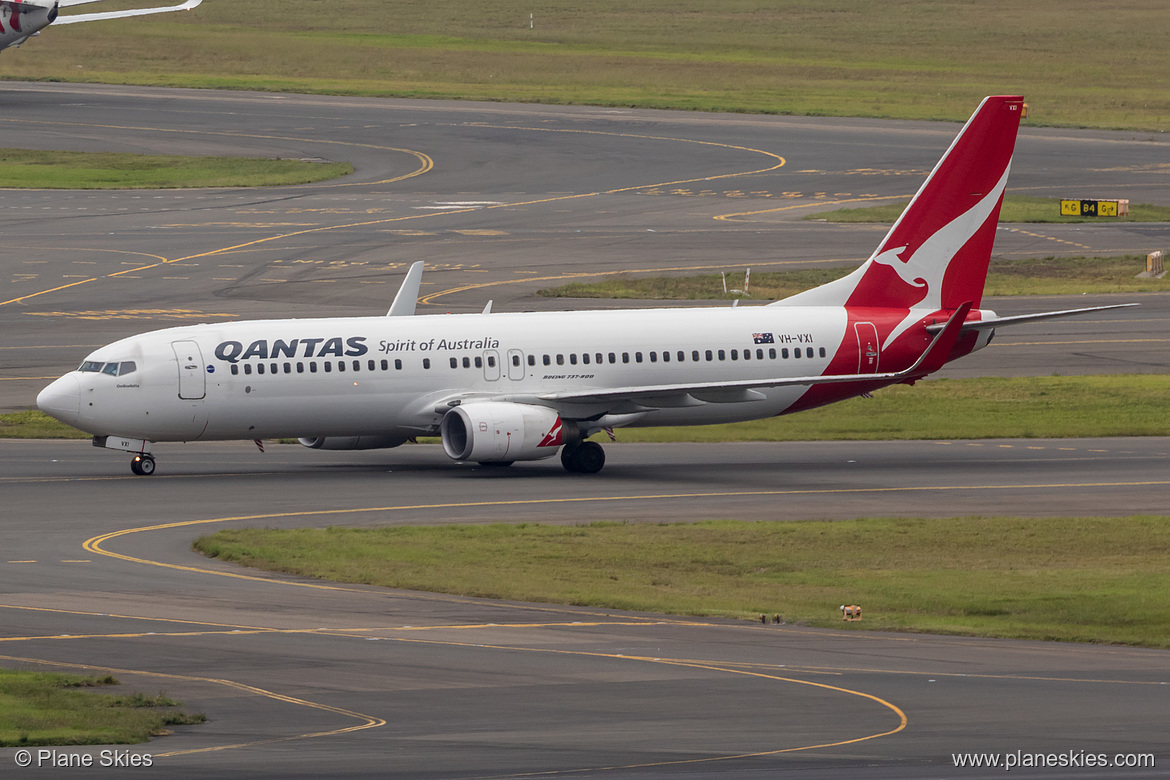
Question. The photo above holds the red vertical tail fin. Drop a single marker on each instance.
(936, 254)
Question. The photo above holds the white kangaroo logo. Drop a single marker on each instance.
(927, 266)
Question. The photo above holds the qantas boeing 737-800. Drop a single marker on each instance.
(499, 388)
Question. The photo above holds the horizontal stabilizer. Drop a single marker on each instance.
(1020, 319)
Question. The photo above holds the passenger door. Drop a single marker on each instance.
(192, 370)
(868, 353)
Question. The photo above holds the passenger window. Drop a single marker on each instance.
(822, 351)
(313, 367)
(127, 367)
(328, 366)
(560, 360)
(638, 357)
(710, 355)
(90, 366)
(300, 368)
(426, 363)
(735, 354)
(772, 353)
(515, 360)
(385, 365)
(455, 362)
(573, 358)
(247, 369)
(653, 357)
(784, 353)
(491, 361)
(372, 365)
(665, 357)
(275, 368)
(340, 365)
(682, 356)
(597, 357)
(760, 354)
(110, 368)
(722, 355)
(625, 357)
(397, 364)
(585, 358)
(796, 352)
(547, 360)
(479, 362)
(532, 360)
(259, 368)
(612, 358)
(288, 368)
(695, 355)
(235, 369)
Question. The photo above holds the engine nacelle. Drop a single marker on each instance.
(501, 432)
(351, 442)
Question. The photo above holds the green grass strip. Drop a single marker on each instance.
(29, 169)
(1072, 579)
(39, 708)
(1034, 276)
(34, 424)
(913, 60)
(1016, 208)
(987, 408)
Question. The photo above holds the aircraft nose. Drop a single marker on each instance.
(61, 399)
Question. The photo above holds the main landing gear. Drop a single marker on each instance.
(584, 458)
(142, 464)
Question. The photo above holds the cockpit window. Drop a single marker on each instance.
(91, 366)
(111, 369)
(127, 367)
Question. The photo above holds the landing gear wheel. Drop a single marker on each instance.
(142, 465)
(585, 458)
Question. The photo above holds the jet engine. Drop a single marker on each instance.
(502, 432)
(351, 442)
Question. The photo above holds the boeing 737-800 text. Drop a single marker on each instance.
(499, 388)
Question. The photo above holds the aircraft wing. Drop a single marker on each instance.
(932, 359)
(96, 17)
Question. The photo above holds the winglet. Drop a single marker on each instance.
(407, 297)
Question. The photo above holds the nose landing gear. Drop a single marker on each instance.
(142, 465)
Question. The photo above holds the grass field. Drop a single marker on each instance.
(988, 408)
(1073, 579)
(1036, 276)
(1022, 407)
(22, 168)
(1078, 62)
(39, 708)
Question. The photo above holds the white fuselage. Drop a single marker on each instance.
(386, 375)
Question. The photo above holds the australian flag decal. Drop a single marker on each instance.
(763, 338)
